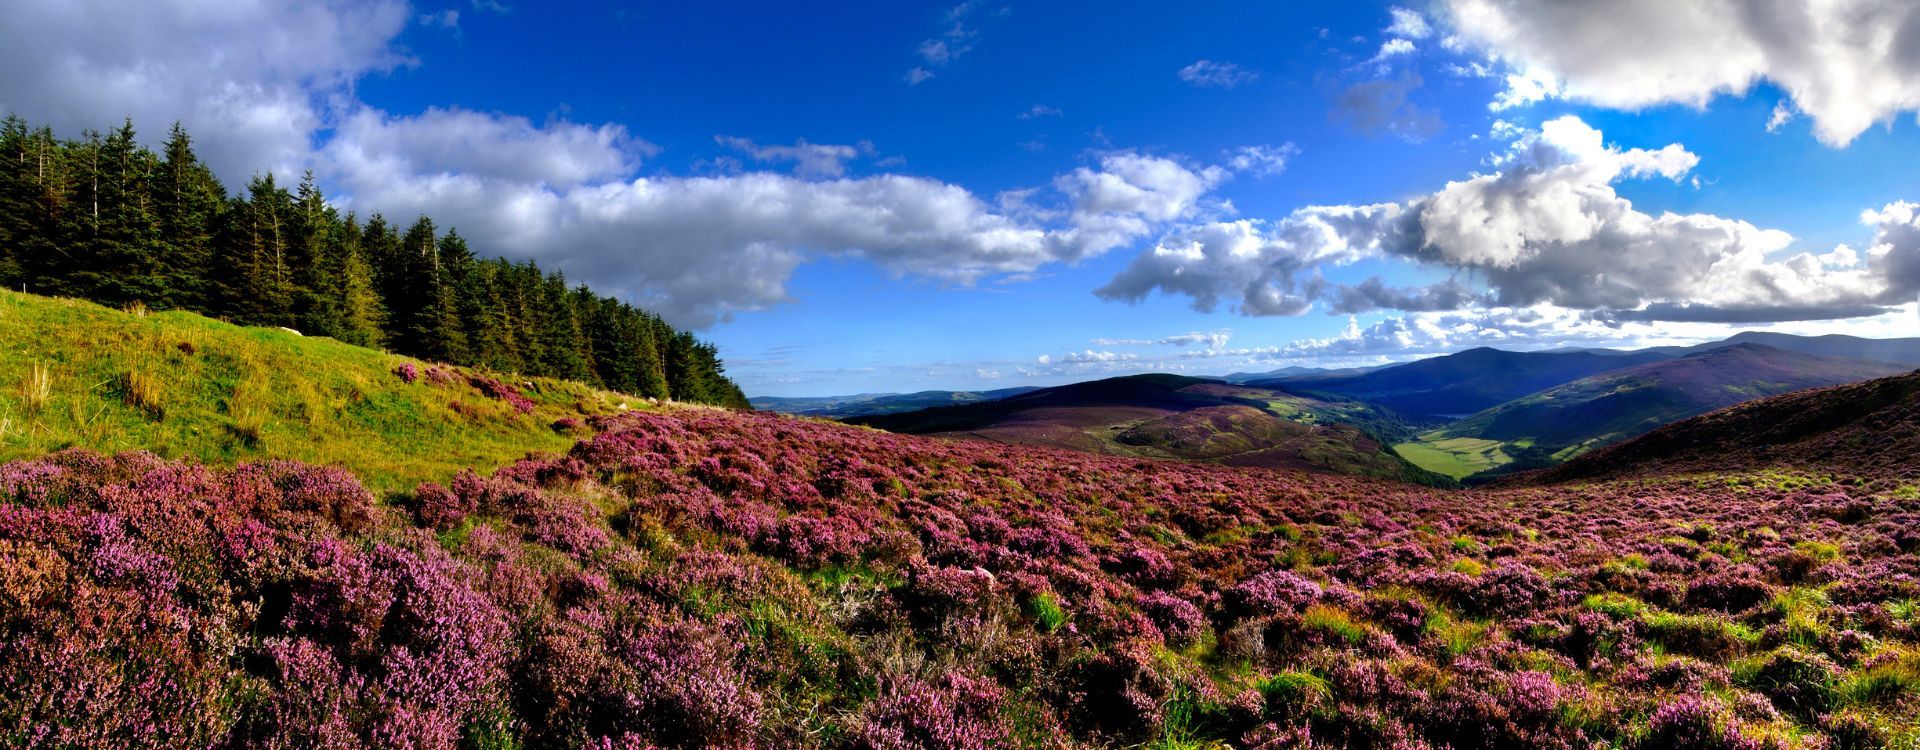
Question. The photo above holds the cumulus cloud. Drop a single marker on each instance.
(1224, 75)
(76, 65)
(1039, 111)
(1846, 65)
(1257, 266)
(1449, 331)
(697, 249)
(1127, 195)
(1547, 229)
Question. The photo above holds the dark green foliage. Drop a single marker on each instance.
(104, 219)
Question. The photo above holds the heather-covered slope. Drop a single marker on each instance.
(1545, 428)
(75, 374)
(1463, 383)
(1870, 428)
(709, 579)
(1183, 418)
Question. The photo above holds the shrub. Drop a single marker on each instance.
(1272, 592)
(1798, 682)
(954, 713)
(1694, 723)
(1293, 695)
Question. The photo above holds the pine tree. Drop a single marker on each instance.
(255, 280)
(127, 248)
(187, 204)
(361, 317)
(442, 334)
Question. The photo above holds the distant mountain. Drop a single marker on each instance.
(1466, 382)
(838, 407)
(1178, 417)
(1869, 428)
(1903, 351)
(1545, 428)
(1298, 372)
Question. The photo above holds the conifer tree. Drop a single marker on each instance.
(187, 203)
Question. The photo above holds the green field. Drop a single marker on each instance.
(1457, 457)
(75, 374)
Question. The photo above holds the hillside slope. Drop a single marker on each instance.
(1460, 384)
(706, 579)
(1866, 428)
(1183, 418)
(1902, 351)
(75, 374)
(863, 404)
(1544, 428)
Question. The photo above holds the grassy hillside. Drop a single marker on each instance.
(1548, 427)
(1871, 427)
(75, 374)
(1182, 418)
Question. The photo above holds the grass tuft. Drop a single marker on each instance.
(37, 388)
(141, 390)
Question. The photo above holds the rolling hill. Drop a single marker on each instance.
(1182, 418)
(1902, 351)
(1552, 425)
(1460, 384)
(74, 374)
(1869, 428)
(841, 407)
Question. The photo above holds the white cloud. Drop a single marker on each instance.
(1782, 114)
(1091, 356)
(697, 249)
(1212, 340)
(1262, 160)
(809, 159)
(251, 81)
(1223, 75)
(1394, 48)
(484, 146)
(1408, 23)
(1846, 64)
(917, 75)
(1039, 111)
(1547, 229)
(1128, 195)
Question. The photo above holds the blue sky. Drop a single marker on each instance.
(899, 196)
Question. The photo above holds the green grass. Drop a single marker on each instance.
(75, 374)
(1457, 457)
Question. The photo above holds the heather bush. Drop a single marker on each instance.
(705, 579)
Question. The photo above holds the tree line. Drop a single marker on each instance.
(105, 219)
